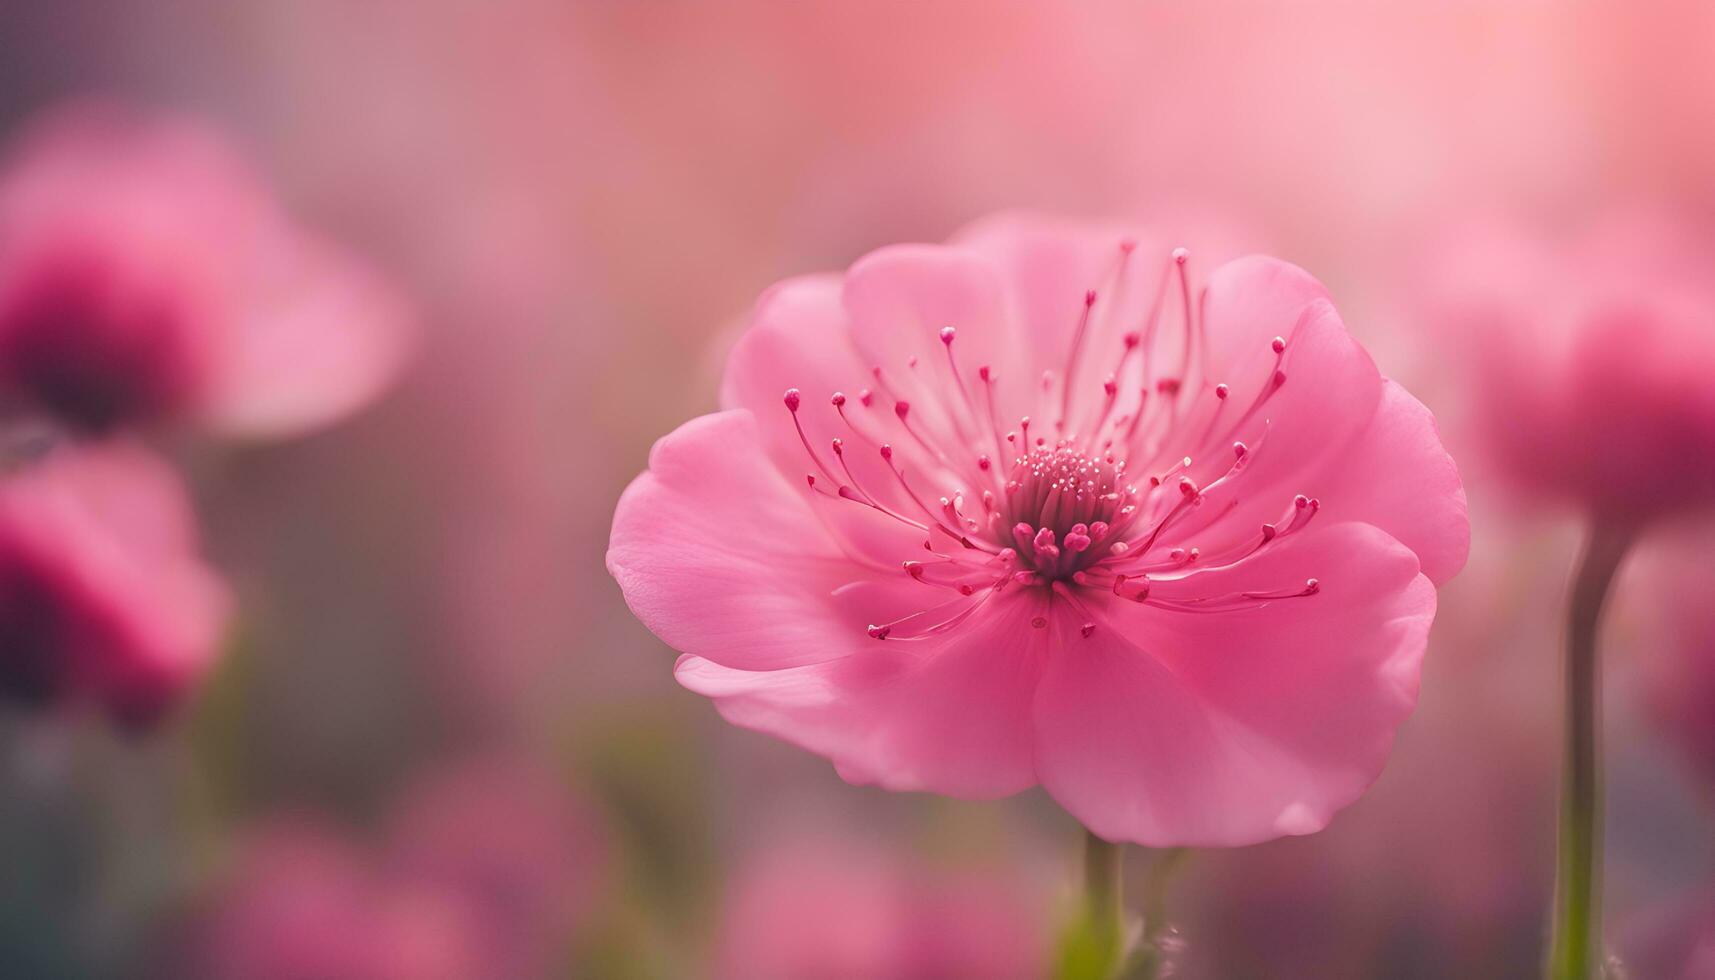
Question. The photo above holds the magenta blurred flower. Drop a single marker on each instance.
(146, 275)
(103, 596)
(486, 870)
(1593, 360)
(1018, 523)
(303, 904)
(815, 910)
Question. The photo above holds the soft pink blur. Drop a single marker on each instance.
(1676, 651)
(1591, 358)
(104, 597)
(819, 907)
(145, 275)
(485, 869)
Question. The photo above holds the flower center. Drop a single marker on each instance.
(1109, 496)
(1061, 505)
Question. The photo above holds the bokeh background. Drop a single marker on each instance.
(432, 677)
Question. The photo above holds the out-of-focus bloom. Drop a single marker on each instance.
(1677, 660)
(1592, 360)
(528, 886)
(103, 596)
(484, 872)
(1675, 941)
(819, 910)
(1018, 523)
(303, 904)
(146, 275)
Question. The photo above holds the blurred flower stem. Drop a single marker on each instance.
(1152, 953)
(1101, 943)
(1576, 941)
(1093, 946)
(1104, 890)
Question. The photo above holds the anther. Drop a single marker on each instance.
(792, 399)
(947, 335)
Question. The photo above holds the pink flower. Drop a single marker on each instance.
(818, 910)
(1592, 360)
(103, 596)
(145, 275)
(486, 868)
(1019, 521)
(303, 904)
(486, 871)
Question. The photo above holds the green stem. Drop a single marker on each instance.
(1104, 902)
(1576, 942)
(1151, 957)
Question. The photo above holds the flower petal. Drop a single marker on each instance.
(1397, 476)
(1329, 396)
(721, 558)
(899, 298)
(1049, 264)
(799, 338)
(321, 337)
(1224, 729)
(949, 715)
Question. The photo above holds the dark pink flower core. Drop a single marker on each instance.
(95, 353)
(1130, 459)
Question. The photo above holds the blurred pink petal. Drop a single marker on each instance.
(486, 869)
(1591, 358)
(1043, 536)
(146, 275)
(296, 907)
(528, 886)
(1676, 656)
(103, 596)
(1673, 941)
(808, 909)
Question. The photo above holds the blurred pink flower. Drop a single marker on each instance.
(820, 910)
(146, 275)
(1673, 941)
(1114, 592)
(103, 596)
(1591, 358)
(302, 904)
(527, 887)
(486, 869)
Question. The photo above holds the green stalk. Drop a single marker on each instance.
(1104, 901)
(1576, 944)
